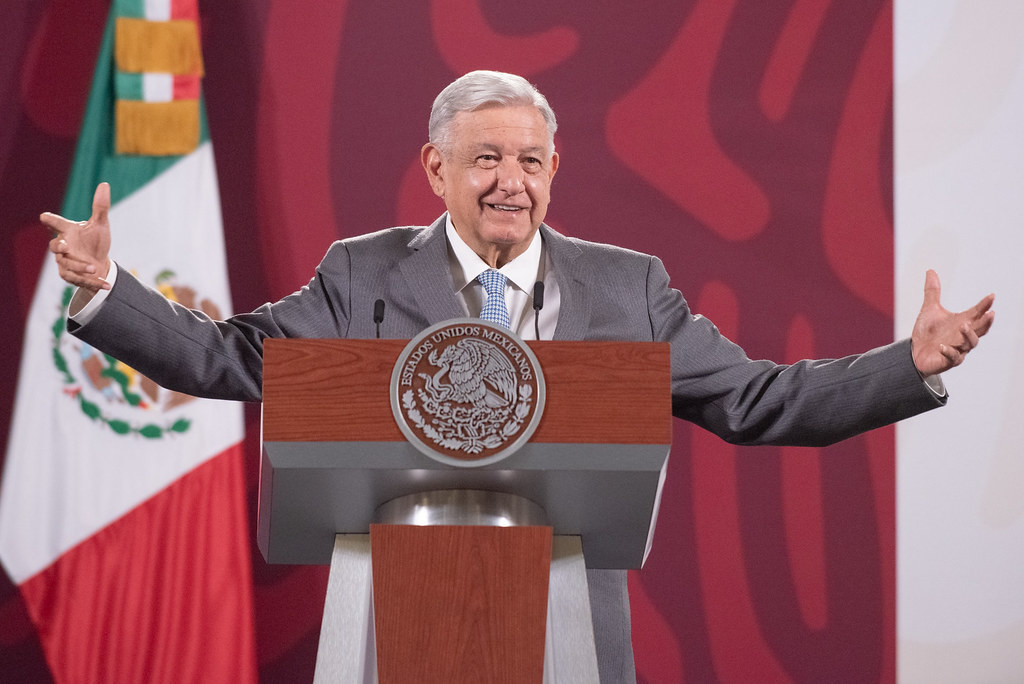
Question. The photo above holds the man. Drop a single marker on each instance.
(491, 158)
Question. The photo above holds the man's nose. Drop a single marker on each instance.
(511, 178)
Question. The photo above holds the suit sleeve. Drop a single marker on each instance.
(809, 403)
(185, 350)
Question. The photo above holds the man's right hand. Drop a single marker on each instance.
(82, 247)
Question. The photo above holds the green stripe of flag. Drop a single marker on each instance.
(128, 86)
(135, 9)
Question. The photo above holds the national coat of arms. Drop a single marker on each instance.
(110, 392)
(467, 392)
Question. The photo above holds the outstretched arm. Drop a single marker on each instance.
(82, 247)
(941, 339)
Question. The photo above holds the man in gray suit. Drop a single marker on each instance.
(491, 158)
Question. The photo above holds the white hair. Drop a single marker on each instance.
(479, 89)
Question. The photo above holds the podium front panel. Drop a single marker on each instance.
(332, 453)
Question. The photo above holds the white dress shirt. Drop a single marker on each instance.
(522, 273)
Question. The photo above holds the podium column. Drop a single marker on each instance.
(455, 602)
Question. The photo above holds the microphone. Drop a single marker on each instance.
(538, 304)
(378, 314)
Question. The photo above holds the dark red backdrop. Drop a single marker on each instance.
(746, 143)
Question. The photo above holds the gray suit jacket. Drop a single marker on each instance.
(607, 293)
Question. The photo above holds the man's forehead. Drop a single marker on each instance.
(498, 126)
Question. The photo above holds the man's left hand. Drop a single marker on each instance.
(941, 339)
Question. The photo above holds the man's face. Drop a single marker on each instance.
(495, 178)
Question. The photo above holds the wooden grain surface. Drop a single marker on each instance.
(338, 390)
(460, 603)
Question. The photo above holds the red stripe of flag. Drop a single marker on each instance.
(186, 87)
(185, 9)
(136, 602)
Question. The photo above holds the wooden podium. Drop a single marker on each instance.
(445, 573)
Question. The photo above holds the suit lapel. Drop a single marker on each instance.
(573, 276)
(428, 277)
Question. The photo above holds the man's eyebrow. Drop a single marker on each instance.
(484, 146)
(536, 150)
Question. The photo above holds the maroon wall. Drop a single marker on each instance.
(746, 143)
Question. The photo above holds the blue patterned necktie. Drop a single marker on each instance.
(495, 309)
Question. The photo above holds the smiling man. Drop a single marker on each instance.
(493, 168)
(491, 157)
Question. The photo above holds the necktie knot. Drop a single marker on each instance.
(495, 308)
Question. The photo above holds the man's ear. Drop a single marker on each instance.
(432, 160)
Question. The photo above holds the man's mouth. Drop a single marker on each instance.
(505, 207)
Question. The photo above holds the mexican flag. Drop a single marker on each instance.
(122, 504)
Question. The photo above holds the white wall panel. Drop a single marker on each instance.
(959, 195)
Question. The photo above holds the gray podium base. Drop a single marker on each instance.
(347, 652)
(569, 651)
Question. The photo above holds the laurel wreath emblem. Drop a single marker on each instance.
(467, 392)
(110, 370)
(469, 429)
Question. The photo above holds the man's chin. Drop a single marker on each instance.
(509, 236)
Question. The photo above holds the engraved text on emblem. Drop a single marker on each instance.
(468, 390)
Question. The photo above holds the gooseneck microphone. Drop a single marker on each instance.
(538, 304)
(378, 314)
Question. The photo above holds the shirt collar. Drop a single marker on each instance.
(466, 265)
